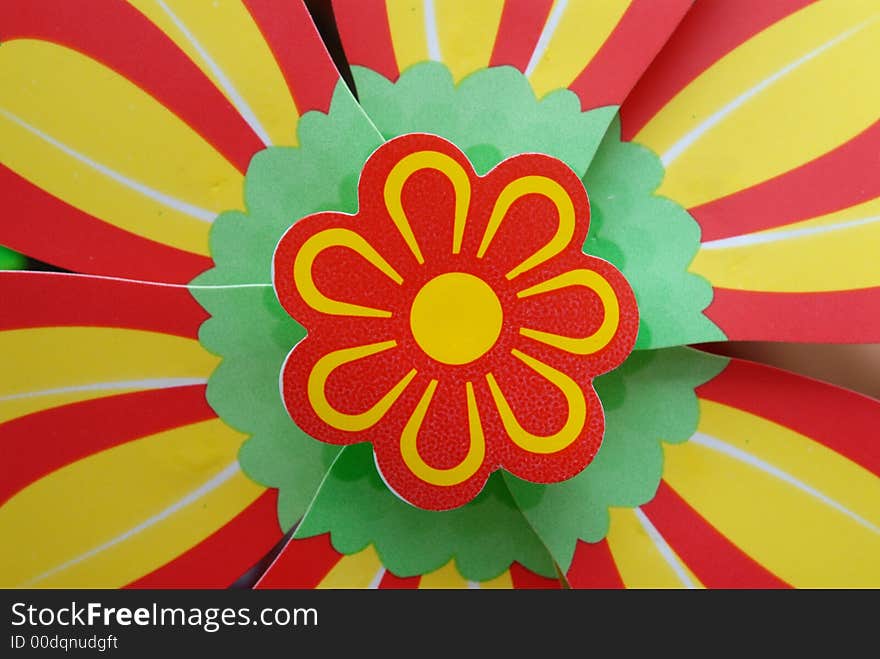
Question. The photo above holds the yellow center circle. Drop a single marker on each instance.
(456, 318)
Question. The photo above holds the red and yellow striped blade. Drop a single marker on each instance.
(779, 487)
(113, 468)
(596, 49)
(126, 128)
(766, 116)
(69, 338)
(314, 563)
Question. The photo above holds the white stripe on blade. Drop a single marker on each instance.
(732, 451)
(432, 36)
(377, 579)
(154, 383)
(664, 549)
(190, 498)
(197, 212)
(776, 236)
(717, 117)
(546, 35)
(240, 104)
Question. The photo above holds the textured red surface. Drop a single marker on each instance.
(443, 440)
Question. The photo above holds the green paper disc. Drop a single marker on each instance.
(491, 115)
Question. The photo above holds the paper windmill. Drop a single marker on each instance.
(438, 329)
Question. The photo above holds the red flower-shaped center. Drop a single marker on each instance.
(454, 322)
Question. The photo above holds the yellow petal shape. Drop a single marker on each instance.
(575, 421)
(90, 137)
(322, 241)
(590, 280)
(469, 465)
(325, 366)
(117, 515)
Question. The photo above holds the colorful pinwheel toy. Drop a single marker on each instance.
(436, 323)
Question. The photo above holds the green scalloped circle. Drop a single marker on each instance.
(491, 115)
(248, 328)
